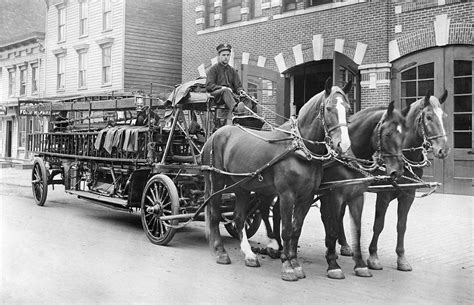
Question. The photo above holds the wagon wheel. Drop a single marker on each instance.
(39, 181)
(160, 198)
(252, 223)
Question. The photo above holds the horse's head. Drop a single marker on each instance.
(430, 124)
(324, 117)
(388, 138)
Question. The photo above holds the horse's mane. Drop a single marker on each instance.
(365, 113)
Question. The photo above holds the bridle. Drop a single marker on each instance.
(425, 146)
(379, 154)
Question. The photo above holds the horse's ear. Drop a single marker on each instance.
(347, 87)
(390, 108)
(443, 97)
(427, 98)
(328, 86)
(406, 110)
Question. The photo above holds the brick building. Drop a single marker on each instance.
(393, 50)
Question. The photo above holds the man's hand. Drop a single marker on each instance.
(242, 93)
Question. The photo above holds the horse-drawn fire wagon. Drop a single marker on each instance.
(127, 152)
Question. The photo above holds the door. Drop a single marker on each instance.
(8, 143)
(345, 70)
(269, 88)
(459, 81)
(434, 70)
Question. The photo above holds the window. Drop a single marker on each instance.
(61, 75)
(416, 82)
(210, 12)
(319, 2)
(289, 5)
(82, 69)
(107, 15)
(34, 79)
(61, 24)
(23, 73)
(463, 112)
(255, 8)
(28, 125)
(22, 130)
(231, 11)
(83, 11)
(11, 82)
(106, 63)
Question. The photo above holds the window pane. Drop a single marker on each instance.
(318, 2)
(409, 74)
(462, 67)
(408, 89)
(462, 122)
(462, 140)
(463, 103)
(233, 14)
(256, 7)
(463, 85)
(407, 101)
(425, 86)
(426, 71)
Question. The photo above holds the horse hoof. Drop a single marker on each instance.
(223, 259)
(252, 262)
(374, 264)
(362, 272)
(299, 272)
(403, 265)
(274, 254)
(346, 251)
(336, 274)
(289, 276)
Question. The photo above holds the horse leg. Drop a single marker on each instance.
(240, 215)
(213, 217)
(383, 199)
(404, 204)
(355, 207)
(277, 223)
(329, 211)
(273, 247)
(346, 250)
(300, 212)
(287, 200)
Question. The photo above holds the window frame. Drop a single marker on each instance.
(61, 23)
(106, 69)
(210, 12)
(34, 79)
(11, 82)
(23, 78)
(82, 69)
(83, 18)
(253, 8)
(230, 4)
(285, 4)
(106, 15)
(60, 72)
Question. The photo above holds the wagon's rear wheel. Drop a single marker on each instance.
(160, 198)
(252, 223)
(39, 181)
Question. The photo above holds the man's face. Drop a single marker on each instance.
(224, 57)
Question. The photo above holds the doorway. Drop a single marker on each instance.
(8, 140)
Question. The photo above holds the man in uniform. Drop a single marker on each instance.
(223, 83)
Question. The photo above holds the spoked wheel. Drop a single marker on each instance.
(160, 198)
(252, 223)
(39, 181)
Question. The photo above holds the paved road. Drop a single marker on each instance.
(74, 251)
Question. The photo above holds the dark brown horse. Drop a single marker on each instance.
(284, 162)
(425, 131)
(376, 137)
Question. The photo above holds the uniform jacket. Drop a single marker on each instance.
(219, 75)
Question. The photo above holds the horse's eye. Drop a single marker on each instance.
(429, 117)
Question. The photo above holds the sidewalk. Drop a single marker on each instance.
(13, 176)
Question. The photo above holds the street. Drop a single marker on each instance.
(71, 250)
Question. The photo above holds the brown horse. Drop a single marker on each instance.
(425, 131)
(376, 133)
(284, 162)
(376, 137)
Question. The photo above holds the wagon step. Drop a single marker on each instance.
(109, 201)
(189, 216)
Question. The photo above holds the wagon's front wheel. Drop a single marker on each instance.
(160, 198)
(39, 181)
